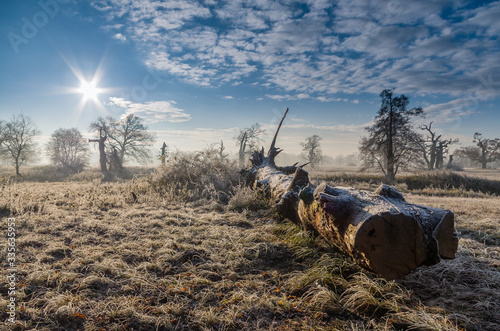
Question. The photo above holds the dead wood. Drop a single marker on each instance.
(380, 230)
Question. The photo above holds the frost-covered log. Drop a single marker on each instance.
(380, 230)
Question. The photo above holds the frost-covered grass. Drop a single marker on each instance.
(469, 183)
(92, 257)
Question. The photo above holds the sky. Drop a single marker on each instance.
(198, 71)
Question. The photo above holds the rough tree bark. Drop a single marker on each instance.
(102, 152)
(380, 230)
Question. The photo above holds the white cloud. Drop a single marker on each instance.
(280, 97)
(302, 96)
(119, 102)
(484, 20)
(454, 111)
(120, 37)
(152, 111)
(108, 28)
(409, 45)
(228, 97)
(194, 74)
(326, 99)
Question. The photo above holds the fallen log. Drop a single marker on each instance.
(380, 230)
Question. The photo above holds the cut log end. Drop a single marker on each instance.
(447, 236)
(391, 245)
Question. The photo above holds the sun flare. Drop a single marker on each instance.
(89, 90)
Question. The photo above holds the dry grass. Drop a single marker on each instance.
(475, 218)
(47, 173)
(435, 183)
(467, 287)
(191, 176)
(91, 257)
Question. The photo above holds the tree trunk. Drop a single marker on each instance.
(484, 160)
(433, 156)
(450, 162)
(163, 153)
(102, 156)
(241, 152)
(439, 156)
(380, 230)
(390, 175)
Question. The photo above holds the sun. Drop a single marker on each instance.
(88, 87)
(89, 90)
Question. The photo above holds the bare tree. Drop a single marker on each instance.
(442, 150)
(18, 141)
(67, 150)
(487, 150)
(131, 139)
(390, 144)
(121, 140)
(222, 155)
(433, 148)
(312, 150)
(429, 145)
(247, 141)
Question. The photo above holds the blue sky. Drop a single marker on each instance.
(196, 71)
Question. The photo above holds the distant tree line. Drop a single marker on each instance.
(120, 141)
(393, 143)
(350, 160)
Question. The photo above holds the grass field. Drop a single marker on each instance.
(92, 257)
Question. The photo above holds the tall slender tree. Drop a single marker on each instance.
(390, 144)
